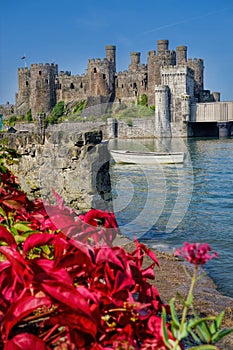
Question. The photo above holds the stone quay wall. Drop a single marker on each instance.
(75, 165)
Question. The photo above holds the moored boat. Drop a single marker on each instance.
(147, 157)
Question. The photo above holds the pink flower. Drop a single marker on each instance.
(196, 253)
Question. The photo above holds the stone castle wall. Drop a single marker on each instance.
(41, 86)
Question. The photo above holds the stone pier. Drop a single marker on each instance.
(224, 129)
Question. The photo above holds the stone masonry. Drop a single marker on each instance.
(75, 165)
(41, 86)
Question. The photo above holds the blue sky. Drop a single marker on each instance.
(70, 32)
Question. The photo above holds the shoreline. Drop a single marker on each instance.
(170, 278)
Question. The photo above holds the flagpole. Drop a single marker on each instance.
(25, 62)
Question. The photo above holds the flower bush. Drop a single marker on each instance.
(63, 285)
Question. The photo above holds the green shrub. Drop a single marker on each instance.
(79, 106)
(58, 109)
(143, 100)
(152, 107)
(29, 116)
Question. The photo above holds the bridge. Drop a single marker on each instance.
(220, 114)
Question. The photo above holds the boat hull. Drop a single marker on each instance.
(147, 157)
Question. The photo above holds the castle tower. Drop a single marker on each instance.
(162, 111)
(22, 104)
(43, 88)
(164, 57)
(135, 58)
(197, 65)
(111, 55)
(162, 46)
(181, 55)
(180, 80)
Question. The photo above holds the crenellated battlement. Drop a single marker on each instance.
(41, 86)
(195, 60)
(23, 70)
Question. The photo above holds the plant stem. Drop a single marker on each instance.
(187, 304)
(194, 278)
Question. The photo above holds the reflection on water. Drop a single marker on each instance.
(166, 205)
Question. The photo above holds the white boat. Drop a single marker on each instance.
(147, 157)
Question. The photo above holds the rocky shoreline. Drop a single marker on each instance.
(171, 278)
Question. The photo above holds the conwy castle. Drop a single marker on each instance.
(173, 83)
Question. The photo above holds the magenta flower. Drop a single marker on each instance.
(196, 253)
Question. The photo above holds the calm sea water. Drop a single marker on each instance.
(167, 205)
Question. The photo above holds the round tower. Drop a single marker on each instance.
(135, 58)
(111, 55)
(181, 55)
(162, 111)
(162, 46)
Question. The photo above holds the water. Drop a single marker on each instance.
(167, 205)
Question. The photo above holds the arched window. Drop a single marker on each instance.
(94, 70)
(71, 86)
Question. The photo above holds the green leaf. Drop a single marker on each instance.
(220, 334)
(2, 212)
(184, 333)
(173, 313)
(217, 322)
(164, 329)
(204, 347)
(195, 322)
(21, 227)
(181, 299)
(189, 300)
(204, 332)
(14, 231)
(20, 239)
(195, 337)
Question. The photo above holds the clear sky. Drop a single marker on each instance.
(69, 32)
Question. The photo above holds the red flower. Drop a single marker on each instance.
(196, 253)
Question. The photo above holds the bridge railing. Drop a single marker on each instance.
(212, 112)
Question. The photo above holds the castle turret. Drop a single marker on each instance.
(135, 58)
(111, 55)
(181, 55)
(162, 46)
(162, 111)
